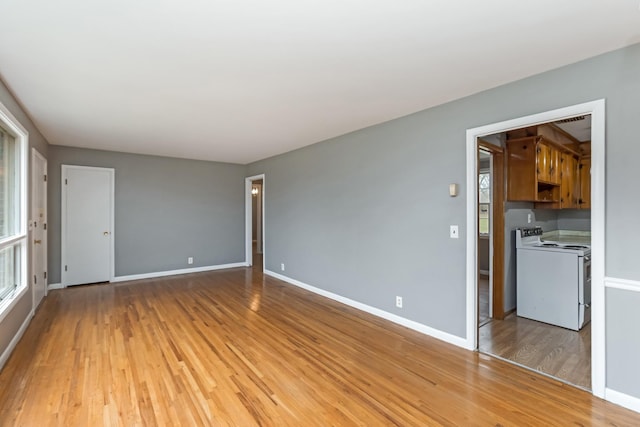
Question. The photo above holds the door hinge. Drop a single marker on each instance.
(65, 181)
(44, 225)
(35, 279)
(45, 274)
(45, 178)
(65, 268)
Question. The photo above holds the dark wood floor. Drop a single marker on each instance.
(234, 348)
(483, 300)
(553, 350)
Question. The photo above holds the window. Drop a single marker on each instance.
(484, 201)
(13, 234)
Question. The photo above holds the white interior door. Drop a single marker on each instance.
(87, 225)
(38, 226)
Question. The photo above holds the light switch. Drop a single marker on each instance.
(453, 231)
(453, 190)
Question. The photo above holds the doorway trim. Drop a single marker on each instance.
(35, 180)
(598, 339)
(496, 238)
(248, 240)
(63, 216)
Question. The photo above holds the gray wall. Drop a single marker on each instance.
(623, 341)
(14, 319)
(574, 219)
(165, 210)
(348, 215)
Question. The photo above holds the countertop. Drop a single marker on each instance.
(568, 237)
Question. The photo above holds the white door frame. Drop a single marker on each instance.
(598, 338)
(248, 240)
(63, 215)
(35, 178)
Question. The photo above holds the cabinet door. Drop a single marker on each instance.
(568, 181)
(521, 170)
(543, 160)
(585, 183)
(554, 165)
(548, 163)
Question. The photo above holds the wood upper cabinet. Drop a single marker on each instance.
(584, 201)
(548, 163)
(547, 166)
(569, 182)
(532, 170)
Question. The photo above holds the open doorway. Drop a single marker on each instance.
(548, 209)
(548, 233)
(254, 226)
(490, 236)
(256, 223)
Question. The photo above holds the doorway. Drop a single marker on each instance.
(39, 226)
(490, 227)
(540, 341)
(597, 195)
(254, 225)
(87, 225)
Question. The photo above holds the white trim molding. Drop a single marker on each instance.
(55, 286)
(622, 399)
(624, 284)
(419, 327)
(176, 272)
(597, 110)
(14, 341)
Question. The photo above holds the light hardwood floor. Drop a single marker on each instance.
(234, 348)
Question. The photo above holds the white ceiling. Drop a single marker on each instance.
(238, 81)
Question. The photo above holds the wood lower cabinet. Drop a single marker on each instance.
(584, 201)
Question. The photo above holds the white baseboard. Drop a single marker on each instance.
(435, 333)
(55, 286)
(12, 345)
(176, 272)
(622, 399)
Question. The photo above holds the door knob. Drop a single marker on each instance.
(36, 242)
(106, 233)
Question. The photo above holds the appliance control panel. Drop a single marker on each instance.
(533, 231)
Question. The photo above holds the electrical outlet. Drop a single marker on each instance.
(528, 218)
(190, 260)
(453, 231)
(282, 266)
(399, 302)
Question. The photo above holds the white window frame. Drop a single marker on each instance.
(11, 124)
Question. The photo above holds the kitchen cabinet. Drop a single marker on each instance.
(547, 163)
(584, 201)
(532, 170)
(569, 181)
